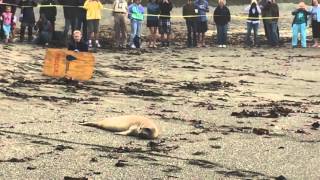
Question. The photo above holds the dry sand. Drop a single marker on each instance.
(230, 113)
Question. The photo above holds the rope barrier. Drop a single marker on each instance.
(171, 16)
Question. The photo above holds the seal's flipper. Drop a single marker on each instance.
(131, 131)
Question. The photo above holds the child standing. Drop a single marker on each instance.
(136, 11)
(93, 8)
(7, 21)
(27, 19)
(190, 15)
(299, 25)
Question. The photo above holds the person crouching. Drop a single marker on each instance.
(45, 30)
(77, 44)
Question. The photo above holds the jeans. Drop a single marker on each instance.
(252, 26)
(272, 29)
(70, 22)
(192, 33)
(120, 28)
(222, 34)
(135, 29)
(302, 29)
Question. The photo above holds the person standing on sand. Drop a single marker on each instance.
(315, 12)
(299, 25)
(136, 16)
(222, 17)
(153, 11)
(165, 22)
(253, 11)
(202, 7)
(6, 18)
(94, 8)
(13, 4)
(120, 11)
(27, 19)
(190, 15)
(271, 13)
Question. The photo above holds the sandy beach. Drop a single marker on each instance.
(234, 113)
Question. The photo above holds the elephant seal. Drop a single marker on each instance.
(131, 125)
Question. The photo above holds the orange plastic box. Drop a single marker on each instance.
(56, 64)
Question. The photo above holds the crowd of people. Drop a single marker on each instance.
(83, 17)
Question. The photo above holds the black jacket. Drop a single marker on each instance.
(221, 16)
(189, 10)
(165, 9)
(70, 12)
(27, 12)
(49, 12)
(80, 46)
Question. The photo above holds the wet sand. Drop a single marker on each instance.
(234, 113)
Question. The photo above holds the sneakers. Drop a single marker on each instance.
(90, 44)
(220, 46)
(133, 46)
(98, 44)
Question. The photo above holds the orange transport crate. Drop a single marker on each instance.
(57, 65)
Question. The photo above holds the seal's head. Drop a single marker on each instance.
(148, 133)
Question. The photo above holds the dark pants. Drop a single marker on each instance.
(82, 25)
(252, 26)
(70, 22)
(272, 29)
(53, 24)
(23, 30)
(222, 34)
(192, 33)
(44, 37)
(266, 33)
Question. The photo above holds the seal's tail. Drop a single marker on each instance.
(91, 124)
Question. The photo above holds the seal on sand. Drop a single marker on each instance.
(131, 125)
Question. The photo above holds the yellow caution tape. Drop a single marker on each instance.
(171, 16)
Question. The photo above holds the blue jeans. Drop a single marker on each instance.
(135, 29)
(192, 33)
(252, 26)
(272, 29)
(222, 34)
(302, 29)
